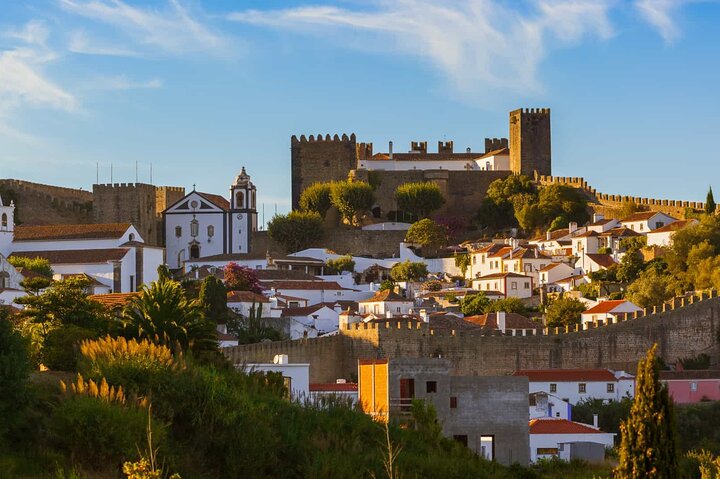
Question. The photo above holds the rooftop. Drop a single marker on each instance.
(217, 200)
(71, 232)
(607, 306)
(113, 300)
(674, 226)
(385, 295)
(77, 256)
(640, 216)
(246, 297)
(560, 426)
(512, 321)
(566, 375)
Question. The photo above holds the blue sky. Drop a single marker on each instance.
(201, 88)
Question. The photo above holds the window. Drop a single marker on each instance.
(453, 402)
(641, 227)
(659, 224)
(527, 268)
(547, 451)
(431, 387)
(194, 251)
(461, 438)
(293, 304)
(482, 259)
(693, 387)
(4, 279)
(132, 283)
(194, 228)
(211, 231)
(610, 387)
(239, 200)
(487, 447)
(553, 388)
(527, 284)
(131, 237)
(4, 221)
(178, 231)
(474, 259)
(582, 388)
(397, 309)
(513, 285)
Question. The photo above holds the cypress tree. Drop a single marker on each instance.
(648, 444)
(710, 202)
(213, 299)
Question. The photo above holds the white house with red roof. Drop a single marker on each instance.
(340, 389)
(385, 303)
(311, 321)
(605, 311)
(663, 236)
(546, 405)
(314, 291)
(592, 262)
(645, 221)
(508, 284)
(575, 385)
(600, 224)
(553, 272)
(242, 302)
(567, 440)
(203, 224)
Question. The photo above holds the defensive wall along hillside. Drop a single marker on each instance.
(686, 328)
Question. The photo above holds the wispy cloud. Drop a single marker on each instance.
(121, 82)
(660, 14)
(80, 43)
(173, 29)
(476, 44)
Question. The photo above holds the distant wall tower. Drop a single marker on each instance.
(320, 159)
(530, 141)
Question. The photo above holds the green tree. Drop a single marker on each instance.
(703, 238)
(339, 265)
(387, 284)
(630, 266)
(648, 443)
(427, 233)
(252, 328)
(462, 261)
(564, 311)
(34, 264)
(419, 199)
(296, 230)
(316, 198)
(629, 207)
(408, 271)
(61, 349)
(352, 199)
(14, 371)
(213, 300)
(161, 313)
(652, 288)
(710, 205)
(474, 304)
(507, 305)
(497, 209)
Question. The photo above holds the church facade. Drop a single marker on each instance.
(202, 224)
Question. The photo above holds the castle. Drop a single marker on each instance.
(463, 177)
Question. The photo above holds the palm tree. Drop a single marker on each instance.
(162, 313)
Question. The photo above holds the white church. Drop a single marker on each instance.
(202, 224)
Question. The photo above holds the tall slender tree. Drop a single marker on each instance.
(648, 448)
(710, 202)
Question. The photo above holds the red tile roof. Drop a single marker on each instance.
(641, 216)
(303, 285)
(217, 200)
(246, 297)
(71, 232)
(606, 306)
(674, 226)
(560, 426)
(566, 375)
(502, 275)
(301, 311)
(604, 260)
(385, 295)
(620, 232)
(333, 387)
(76, 256)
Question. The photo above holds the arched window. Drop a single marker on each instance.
(4, 222)
(131, 237)
(194, 228)
(211, 231)
(4, 279)
(253, 200)
(178, 231)
(239, 200)
(194, 251)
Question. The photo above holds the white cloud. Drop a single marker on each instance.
(80, 43)
(479, 45)
(660, 13)
(121, 82)
(172, 29)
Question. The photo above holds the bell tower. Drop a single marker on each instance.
(7, 227)
(243, 213)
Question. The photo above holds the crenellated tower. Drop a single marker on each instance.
(530, 149)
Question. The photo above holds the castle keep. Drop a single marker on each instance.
(463, 176)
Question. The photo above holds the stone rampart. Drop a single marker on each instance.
(343, 240)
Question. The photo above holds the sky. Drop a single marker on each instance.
(196, 89)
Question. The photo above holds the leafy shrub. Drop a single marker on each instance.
(296, 230)
(427, 233)
(36, 265)
(352, 199)
(419, 199)
(408, 271)
(564, 311)
(61, 349)
(474, 304)
(14, 371)
(316, 198)
(338, 265)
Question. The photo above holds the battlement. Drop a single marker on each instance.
(445, 147)
(492, 144)
(536, 111)
(418, 146)
(321, 139)
(171, 189)
(364, 151)
(105, 186)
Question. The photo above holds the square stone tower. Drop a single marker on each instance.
(530, 141)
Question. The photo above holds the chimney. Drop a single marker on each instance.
(500, 316)
(280, 359)
(548, 235)
(595, 421)
(424, 316)
(572, 227)
(468, 150)
(390, 153)
(337, 308)
(597, 217)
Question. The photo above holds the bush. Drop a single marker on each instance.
(352, 199)
(61, 349)
(564, 311)
(408, 271)
(427, 233)
(14, 371)
(419, 199)
(297, 230)
(316, 198)
(338, 265)
(36, 265)
(475, 304)
(507, 305)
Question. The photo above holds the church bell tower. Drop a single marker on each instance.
(243, 213)
(7, 227)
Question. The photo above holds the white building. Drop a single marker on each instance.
(546, 405)
(554, 437)
(509, 284)
(663, 235)
(341, 389)
(312, 321)
(385, 303)
(605, 311)
(242, 302)
(10, 279)
(314, 291)
(496, 157)
(645, 221)
(592, 262)
(575, 385)
(554, 272)
(295, 375)
(201, 224)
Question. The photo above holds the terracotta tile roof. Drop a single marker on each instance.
(27, 273)
(229, 257)
(85, 276)
(620, 232)
(690, 374)
(75, 256)
(641, 216)
(566, 375)
(490, 248)
(71, 232)
(604, 260)
(501, 275)
(512, 321)
(385, 295)
(449, 322)
(284, 274)
(217, 200)
(606, 306)
(501, 252)
(570, 278)
(601, 222)
(286, 298)
(113, 300)
(549, 267)
(674, 226)
(304, 285)
(560, 426)
(587, 234)
(554, 235)
(498, 152)
(333, 387)
(246, 297)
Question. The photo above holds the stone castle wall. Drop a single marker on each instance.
(38, 204)
(685, 329)
(384, 244)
